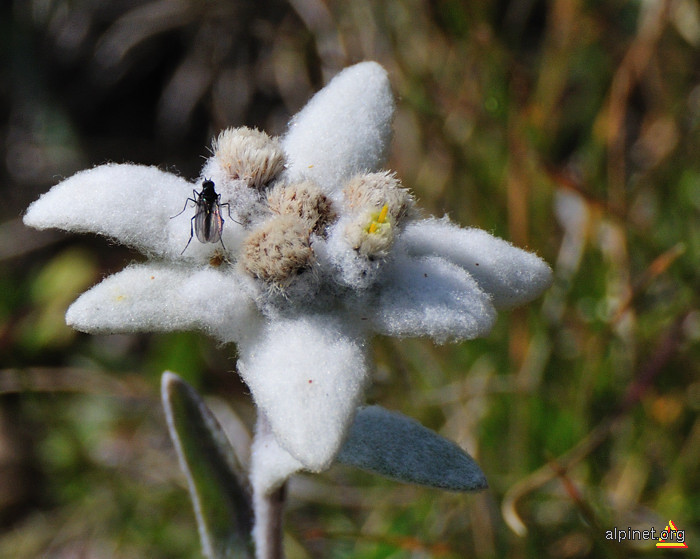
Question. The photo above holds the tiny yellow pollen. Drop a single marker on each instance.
(382, 214)
(372, 227)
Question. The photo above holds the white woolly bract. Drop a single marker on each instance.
(511, 276)
(164, 298)
(307, 374)
(345, 129)
(133, 204)
(128, 202)
(431, 297)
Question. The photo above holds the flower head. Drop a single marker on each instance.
(319, 249)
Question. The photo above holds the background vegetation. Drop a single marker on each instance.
(570, 127)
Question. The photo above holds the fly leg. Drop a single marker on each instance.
(228, 209)
(193, 200)
(191, 232)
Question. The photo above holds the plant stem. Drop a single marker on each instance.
(268, 505)
(269, 512)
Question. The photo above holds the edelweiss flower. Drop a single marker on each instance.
(304, 249)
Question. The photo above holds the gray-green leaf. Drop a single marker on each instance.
(215, 479)
(398, 447)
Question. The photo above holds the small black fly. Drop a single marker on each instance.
(207, 222)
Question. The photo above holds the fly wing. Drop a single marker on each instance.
(208, 224)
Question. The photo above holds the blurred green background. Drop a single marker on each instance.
(571, 128)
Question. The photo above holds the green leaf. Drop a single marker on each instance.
(216, 480)
(398, 447)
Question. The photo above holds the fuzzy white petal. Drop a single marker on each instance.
(430, 296)
(165, 298)
(511, 276)
(131, 203)
(344, 129)
(307, 374)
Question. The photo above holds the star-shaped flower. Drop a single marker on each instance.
(296, 249)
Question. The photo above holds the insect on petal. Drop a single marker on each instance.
(208, 224)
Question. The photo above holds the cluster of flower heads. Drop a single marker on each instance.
(319, 248)
(300, 239)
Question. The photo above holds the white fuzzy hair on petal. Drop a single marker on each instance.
(344, 129)
(307, 374)
(163, 298)
(511, 276)
(432, 297)
(130, 203)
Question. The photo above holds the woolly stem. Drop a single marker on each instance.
(268, 508)
(269, 511)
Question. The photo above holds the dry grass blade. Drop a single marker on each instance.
(70, 379)
(663, 353)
